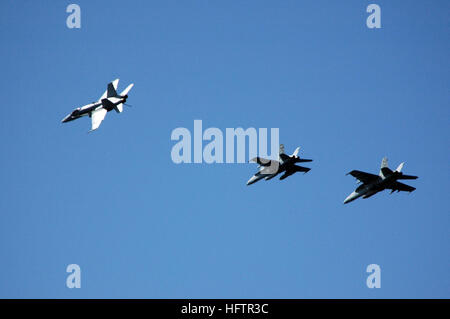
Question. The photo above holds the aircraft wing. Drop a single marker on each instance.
(363, 176)
(397, 186)
(271, 168)
(97, 117)
(261, 161)
(286, 174)
(294, 169)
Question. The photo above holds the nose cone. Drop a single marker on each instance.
(252, 180)
(351, 197)
(66, 119)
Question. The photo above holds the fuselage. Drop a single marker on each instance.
(107, 103)
(269, 172)
(370, 189)
(82, 111)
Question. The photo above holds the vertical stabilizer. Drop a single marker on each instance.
(399, 168)
(384, 163)
(125, 92)
(281, 149)
(281, 152)
(112, 87)
(115, 83)
(296, 151)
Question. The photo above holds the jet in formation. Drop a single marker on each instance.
(110, 100)
(268, 169)
(386, 179)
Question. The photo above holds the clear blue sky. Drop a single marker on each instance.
(141, 226)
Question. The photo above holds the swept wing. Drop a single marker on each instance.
(363, 176)
(97, 117)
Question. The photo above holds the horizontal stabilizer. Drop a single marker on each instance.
(118, 108)
(400, 187)
(407, 177)
(301, 169)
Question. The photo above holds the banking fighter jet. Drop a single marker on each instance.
(268, 169)
(110, 100)
(386, 179)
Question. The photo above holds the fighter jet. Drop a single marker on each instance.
(372, 184)
(110, 100)
(268, 169)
